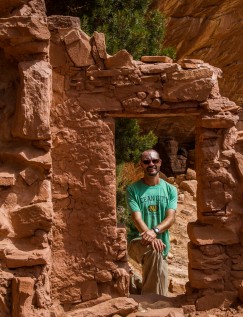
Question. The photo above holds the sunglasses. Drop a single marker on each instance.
(154, 161)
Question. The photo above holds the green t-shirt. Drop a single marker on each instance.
(152, 202)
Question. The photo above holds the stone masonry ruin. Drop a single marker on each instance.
(60, 94)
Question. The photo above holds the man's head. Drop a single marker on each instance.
(150, 162)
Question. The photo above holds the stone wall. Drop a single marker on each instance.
(25, 172)
(63, 244)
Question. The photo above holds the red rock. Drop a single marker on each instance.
(121, 305)
(7, 179)
(89, 290)
(189, 186)
(22, 295)
(100, 44)
(163, 312)
(212, 300)
(27, 220)
(121, 59)
(78, 48)
(32, 122)
(156, 59)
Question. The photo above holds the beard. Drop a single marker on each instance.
(152, 171)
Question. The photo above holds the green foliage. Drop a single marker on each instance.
(130, 141)
(122, 211)
(127, 25)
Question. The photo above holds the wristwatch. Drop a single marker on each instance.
(156, 230)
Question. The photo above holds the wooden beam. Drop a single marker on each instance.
(150, 115)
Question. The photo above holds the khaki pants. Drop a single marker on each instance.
(154, 267)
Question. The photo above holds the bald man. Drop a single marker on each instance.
(152, 203)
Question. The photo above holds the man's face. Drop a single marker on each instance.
(150, 163)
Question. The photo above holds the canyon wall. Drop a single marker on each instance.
(212, 31)
(60, 94)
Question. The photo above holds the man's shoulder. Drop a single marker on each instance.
(134, 185)
(168, 185)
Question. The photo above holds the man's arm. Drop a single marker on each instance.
(168, 221)
(148, 235)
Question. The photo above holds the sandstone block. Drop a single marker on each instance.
(162, 312)
(32, 156)
(79, 48)
(29, 175)
(31, 118)
(156, 103)
(89, 290)
(5, 225)
(63, 22)
(158, 68)
(200, 261)
(215, 172)
(179, 90)
(121, 59)
(230, 139)
(44, 193)
(27, 220)
(91, 103)
(212, 300)
(100, 44)
(103, 276)
(200, 280)
(191, 174)
(189, 186)
(57, 82)
(17, 30)
(192, 74)
(22, 294)
(7, 179)
(58, 56)
(213, 199)
(20, 50)
(133, 105)
(109, 72)
(219, 104)
(209, 234)
(15, 258)
(156, 59)
(121, 306)
(220, 121)
(193, 60)
(122, 281)
(188, 65)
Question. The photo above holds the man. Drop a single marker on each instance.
(152, 203)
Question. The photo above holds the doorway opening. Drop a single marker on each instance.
(175, 142)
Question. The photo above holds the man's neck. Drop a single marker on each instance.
(151, 180)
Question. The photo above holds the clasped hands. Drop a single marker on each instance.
(149, 237)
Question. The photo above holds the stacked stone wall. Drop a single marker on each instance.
(64, 244)
(25, 160)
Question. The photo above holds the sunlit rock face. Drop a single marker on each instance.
(210, 30)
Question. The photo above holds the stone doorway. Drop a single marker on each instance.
(98, 88)
(182, 175)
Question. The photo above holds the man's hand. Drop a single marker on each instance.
(158, 245)
(148, 236)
